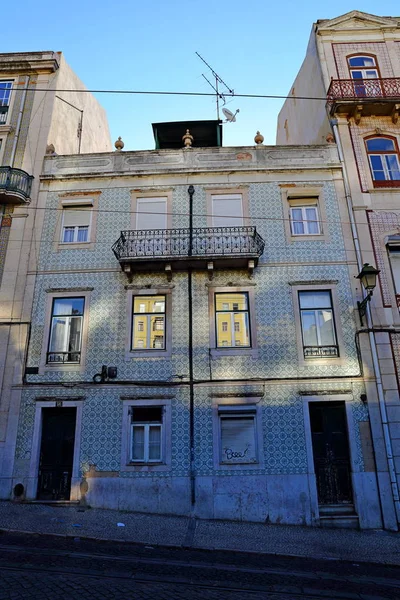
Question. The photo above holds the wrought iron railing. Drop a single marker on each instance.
(3, 114)
(181, 243)
(364, 89)
(63, 357)
(15, 180)
(321, 351)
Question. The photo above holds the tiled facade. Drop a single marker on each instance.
(280, 487)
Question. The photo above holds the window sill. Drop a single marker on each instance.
(61, 367)
(147, 354)
(218, 352)
(145, 467)
(386, 183)
(321, 237)
(310, 362)
(75, 245)
(238, 466)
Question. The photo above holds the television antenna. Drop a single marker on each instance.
(219, 95)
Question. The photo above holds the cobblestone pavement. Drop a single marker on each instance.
(45, 567)
(366, 545)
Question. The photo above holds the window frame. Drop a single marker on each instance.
(218, 351)
(68, 329)
(305, 222)
(136, 291)
(243, 191)
(54, 295)
(137, 195)
(331, 308)
(10, 104)
(77, 200)
(363, 55)
(166, 451)
(240, 404)
(384, 183)
(146, 449)
(230, 315)
(147, 319)
(297, 287)
(303, 196)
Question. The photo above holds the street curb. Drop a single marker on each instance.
(200, 548)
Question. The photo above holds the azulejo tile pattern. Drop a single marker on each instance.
(379, 49)
(381, 223)
(283, 434)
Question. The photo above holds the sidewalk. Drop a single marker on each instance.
(75, 521)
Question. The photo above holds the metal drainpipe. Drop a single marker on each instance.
(18, 126)
(381, 395)
(190, 354)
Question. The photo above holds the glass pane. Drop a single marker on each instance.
(392, 163)
(297, 227)
(224, 331)
(238, 442)
(5, 92)
(361, 61)
(315, 299)
(226, 301)
(68, 306)
(380, 144)
(138, 442)
(297, 214)
(149, 304)
(357, 74)
(378, 172)
(312, 219)
(155, 442)
(58, 336)
(140, 325)
(147, 414)
(309, 325)
(74, 342)
(326, 329)
(68, 234)
(241, 326)
(83, 234)
(371, 74)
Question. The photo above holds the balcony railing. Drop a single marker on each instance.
(150, 249)
(321, 351)
(367, 92)
(3, 114)
(15, 183)
(63, 357)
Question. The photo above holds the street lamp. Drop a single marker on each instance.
(367, 276)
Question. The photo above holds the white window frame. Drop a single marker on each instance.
(228, 192)
(140, 402)
(71, 293)
(137, 196)
(305, 222)
(146, 426)
(304, 196)
(6, 124)
(241, 405)
(314, 287)
(217, 351)
(316, 312)
(76, 201)
(66, 332)
(132, 291)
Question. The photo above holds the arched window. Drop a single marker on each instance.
(383, 156)
(363, 67)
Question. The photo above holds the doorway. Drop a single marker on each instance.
(331, 453)
(56, 453)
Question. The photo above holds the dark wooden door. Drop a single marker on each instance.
(56, 453)
(331, 452)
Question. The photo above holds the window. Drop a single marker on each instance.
(394, 258)
(238, 436)
(65, 339)
(5, 96)
(151, 213)
(304, 220)
(147, 434)
(232, 316)
(383, 156)
(76, 224)
(317, 324)
(363, 67)
(148, 328)
(227, 210)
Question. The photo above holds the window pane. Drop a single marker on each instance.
(227, 210)
(315, 299)
(238, 442)
(68, 306)
(298, 227)
(392, 164)
(326, 329)
(155, 442)
(147, 414)
(224, 331)
(149, 304)
(68, 234)
(297, 214)
(226, 301)
(309, 326)
(380, 144)
(378, 172)
(361, 61)
(83, 234)
(58, 335)
(5, 92)
(140, 332)
(74, 341)
(138, 442)
(242, 337)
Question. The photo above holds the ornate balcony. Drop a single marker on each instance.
(364, 97)
(15, 185)
(179, 249)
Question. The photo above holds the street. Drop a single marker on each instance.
(40, 567)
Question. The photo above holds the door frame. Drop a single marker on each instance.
(32, 484)
(353, 449)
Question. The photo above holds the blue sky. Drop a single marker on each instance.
(255, 46)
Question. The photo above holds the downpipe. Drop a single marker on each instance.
(371, 334)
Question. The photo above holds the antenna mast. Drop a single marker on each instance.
(218, 81)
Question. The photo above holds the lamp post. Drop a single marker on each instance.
(367, 276)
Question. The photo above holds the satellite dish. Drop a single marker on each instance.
(230, 117)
